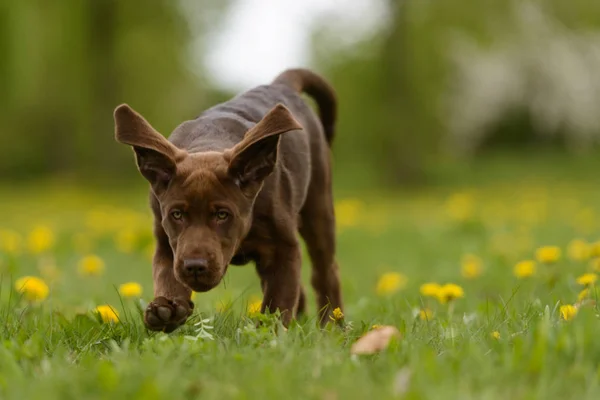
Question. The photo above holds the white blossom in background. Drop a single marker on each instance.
(537, 65)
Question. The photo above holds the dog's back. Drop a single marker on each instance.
(301, 156)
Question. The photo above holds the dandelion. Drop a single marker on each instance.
(40, 239)
(126, 240)
(254, 307)
(548, 254)
(337, 315)
(130, 290)
(595, 249)
(587, 279)
(584, 294)
(10, 242)
(495, 335)
(450, 292)
(578, 250)
(91, 265)
(149, 251)
(595, 264)
(347, 212)
(390, 283)
(425, 314)
(525, 269)
(107, 313)
(430, 289)
(460, 206)
(376, 326)
(33, 288)
(568, 312)
(193, 296)
(471, 266)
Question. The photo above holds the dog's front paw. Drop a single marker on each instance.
(167, 315)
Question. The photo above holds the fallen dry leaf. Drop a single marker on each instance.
(375, 340)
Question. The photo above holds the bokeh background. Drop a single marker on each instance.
(438, 100)
(420, 83)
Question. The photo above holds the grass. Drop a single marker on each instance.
(60, 349)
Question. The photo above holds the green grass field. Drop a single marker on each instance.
(505, 338)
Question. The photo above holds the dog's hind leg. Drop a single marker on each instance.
(318, 231)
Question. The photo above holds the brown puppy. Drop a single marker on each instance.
(229, 187)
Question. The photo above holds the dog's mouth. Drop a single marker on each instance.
(202, 283)
(200, 287)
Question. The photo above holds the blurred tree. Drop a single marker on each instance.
(409, 91)
(65, 66)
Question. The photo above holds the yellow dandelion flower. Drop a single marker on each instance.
(32, 288)
(595, 249)
(126, 240)
(10, 242)
(595, 264)
(578, 250)
(460, 206)
(430, 289)
(376, 326)
(40, 239)
(425, 314)
(107, 313)
(449, 292)
(254, 307)
(568, 312)
(149, 251)
(587, 279)
(193, 296)
(337, 315)
(91, 265)
(471, 266)
(525, 268)
(390, 283)
(584, 294)
(495, 335)
(130, 290)
(548, 254)
(347, 212)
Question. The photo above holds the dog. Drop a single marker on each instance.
(236, 185)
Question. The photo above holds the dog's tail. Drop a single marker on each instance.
(306, 81)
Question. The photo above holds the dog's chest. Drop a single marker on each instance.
(255, 247)
(241, 258)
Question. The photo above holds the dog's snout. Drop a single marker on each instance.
(195, 266)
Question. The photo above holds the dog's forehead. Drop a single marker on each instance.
(198, 165)
(202, 175)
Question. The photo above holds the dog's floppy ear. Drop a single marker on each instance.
(253, 159)
(156, 157)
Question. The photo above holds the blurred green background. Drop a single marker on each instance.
(427, 86)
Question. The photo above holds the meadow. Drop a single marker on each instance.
(488, 274)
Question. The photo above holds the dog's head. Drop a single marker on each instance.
(206, 199)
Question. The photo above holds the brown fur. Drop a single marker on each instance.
(235, 185)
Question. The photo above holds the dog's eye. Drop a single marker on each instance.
(222, 215)
(176, 214)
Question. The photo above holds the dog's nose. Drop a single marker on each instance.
(195, 266)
